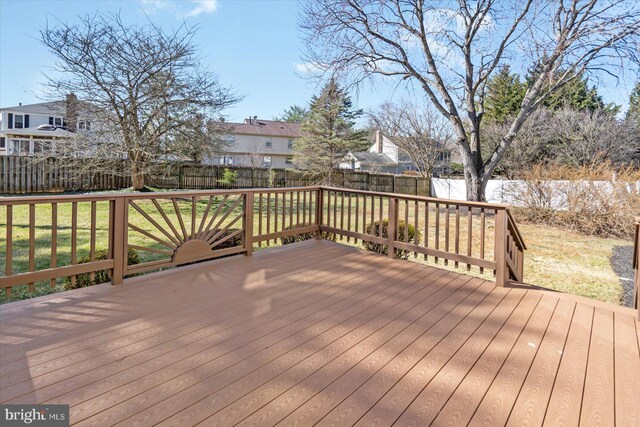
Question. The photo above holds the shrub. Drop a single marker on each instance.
(304, 236)
(374, 229)
(596, 199)
(232, 242)
(229, 177)
(102, 276)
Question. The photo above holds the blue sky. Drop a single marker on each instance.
(253, 46)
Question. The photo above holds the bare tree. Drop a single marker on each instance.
(449, 53)
(422, 134)
(145, 92)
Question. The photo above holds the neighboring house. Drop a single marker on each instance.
(384, 156)
(27, 130)
(259, 143)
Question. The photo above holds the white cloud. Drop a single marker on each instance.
(203, 6)
(193, 7)
(308, 67)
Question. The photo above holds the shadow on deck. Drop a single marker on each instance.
(319, 332)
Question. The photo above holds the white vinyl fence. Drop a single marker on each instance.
(502, 190)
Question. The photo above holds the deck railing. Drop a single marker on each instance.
(636, 267)
(110, 236)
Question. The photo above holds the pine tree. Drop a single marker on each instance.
(328, 133)
(634, 103)
(504, 96)
(293, 114)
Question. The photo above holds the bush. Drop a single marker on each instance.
(102, 276)
(232, 242)
(304, 236)
(229, 177)
(596, 199)
(374, 229)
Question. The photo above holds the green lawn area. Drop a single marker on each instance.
(556, 258)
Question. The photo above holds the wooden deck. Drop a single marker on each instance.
(321, 333)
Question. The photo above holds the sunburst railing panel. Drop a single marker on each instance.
(176, 230)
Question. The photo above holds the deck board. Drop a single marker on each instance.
(321, 333)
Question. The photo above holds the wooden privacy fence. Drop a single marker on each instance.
(636, 267)
(21, 174)
(71, 238)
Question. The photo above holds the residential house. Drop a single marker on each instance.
(384, 156)
(259, 143)
(27, 130)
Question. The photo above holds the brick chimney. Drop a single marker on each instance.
(71, 112)
(379, 142)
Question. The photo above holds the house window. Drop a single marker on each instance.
(289, 160)
(290, 144)
(55, 121)
(266, 161)
(444, 157)
(226, 160)
(18, 121)
(3, 142)
(20, 147)
(268, 143)
(84, 125)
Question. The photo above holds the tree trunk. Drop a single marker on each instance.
(474, 179)
(137, 177)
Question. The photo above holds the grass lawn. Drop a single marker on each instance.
(555, 259)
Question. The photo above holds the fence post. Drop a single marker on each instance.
(392, 227)
(500, 247)
(319, 212)
(118, 239)
(248, 223)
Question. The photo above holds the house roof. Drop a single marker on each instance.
(58, 133)
(267, 128)
(53, 107)
(368, 158)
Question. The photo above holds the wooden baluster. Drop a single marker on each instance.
(297, 209)
(437, 230)
(74, 238)
(260, 218)
(349, 217)
(319, 216)
(426, 228)
(92, 238)
(373, 213)
(268, 216)
(32, 243)
(446, 231)
(275, 215)
(335, 209)
(194, 201)
(482, 236)
(381, 213)
(341, 213)
(54, 240)
(392, 230)
(364, 214)
(290, 210)
(457, 243)
(416, 226)
(304, 208)
(328, 208)
(8, 266)
(248, 223)
(355, 240)
(469, 233)
(406, 220)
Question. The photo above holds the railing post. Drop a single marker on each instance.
(248, 223)
(500, 247)
(392, 227)
(636, 267)
(319, 211)
(118, 239)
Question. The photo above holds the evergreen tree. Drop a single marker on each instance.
(504, 96)
(634, 103)
(293, 114)
(328, 133)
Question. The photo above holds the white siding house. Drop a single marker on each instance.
(259, 143)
